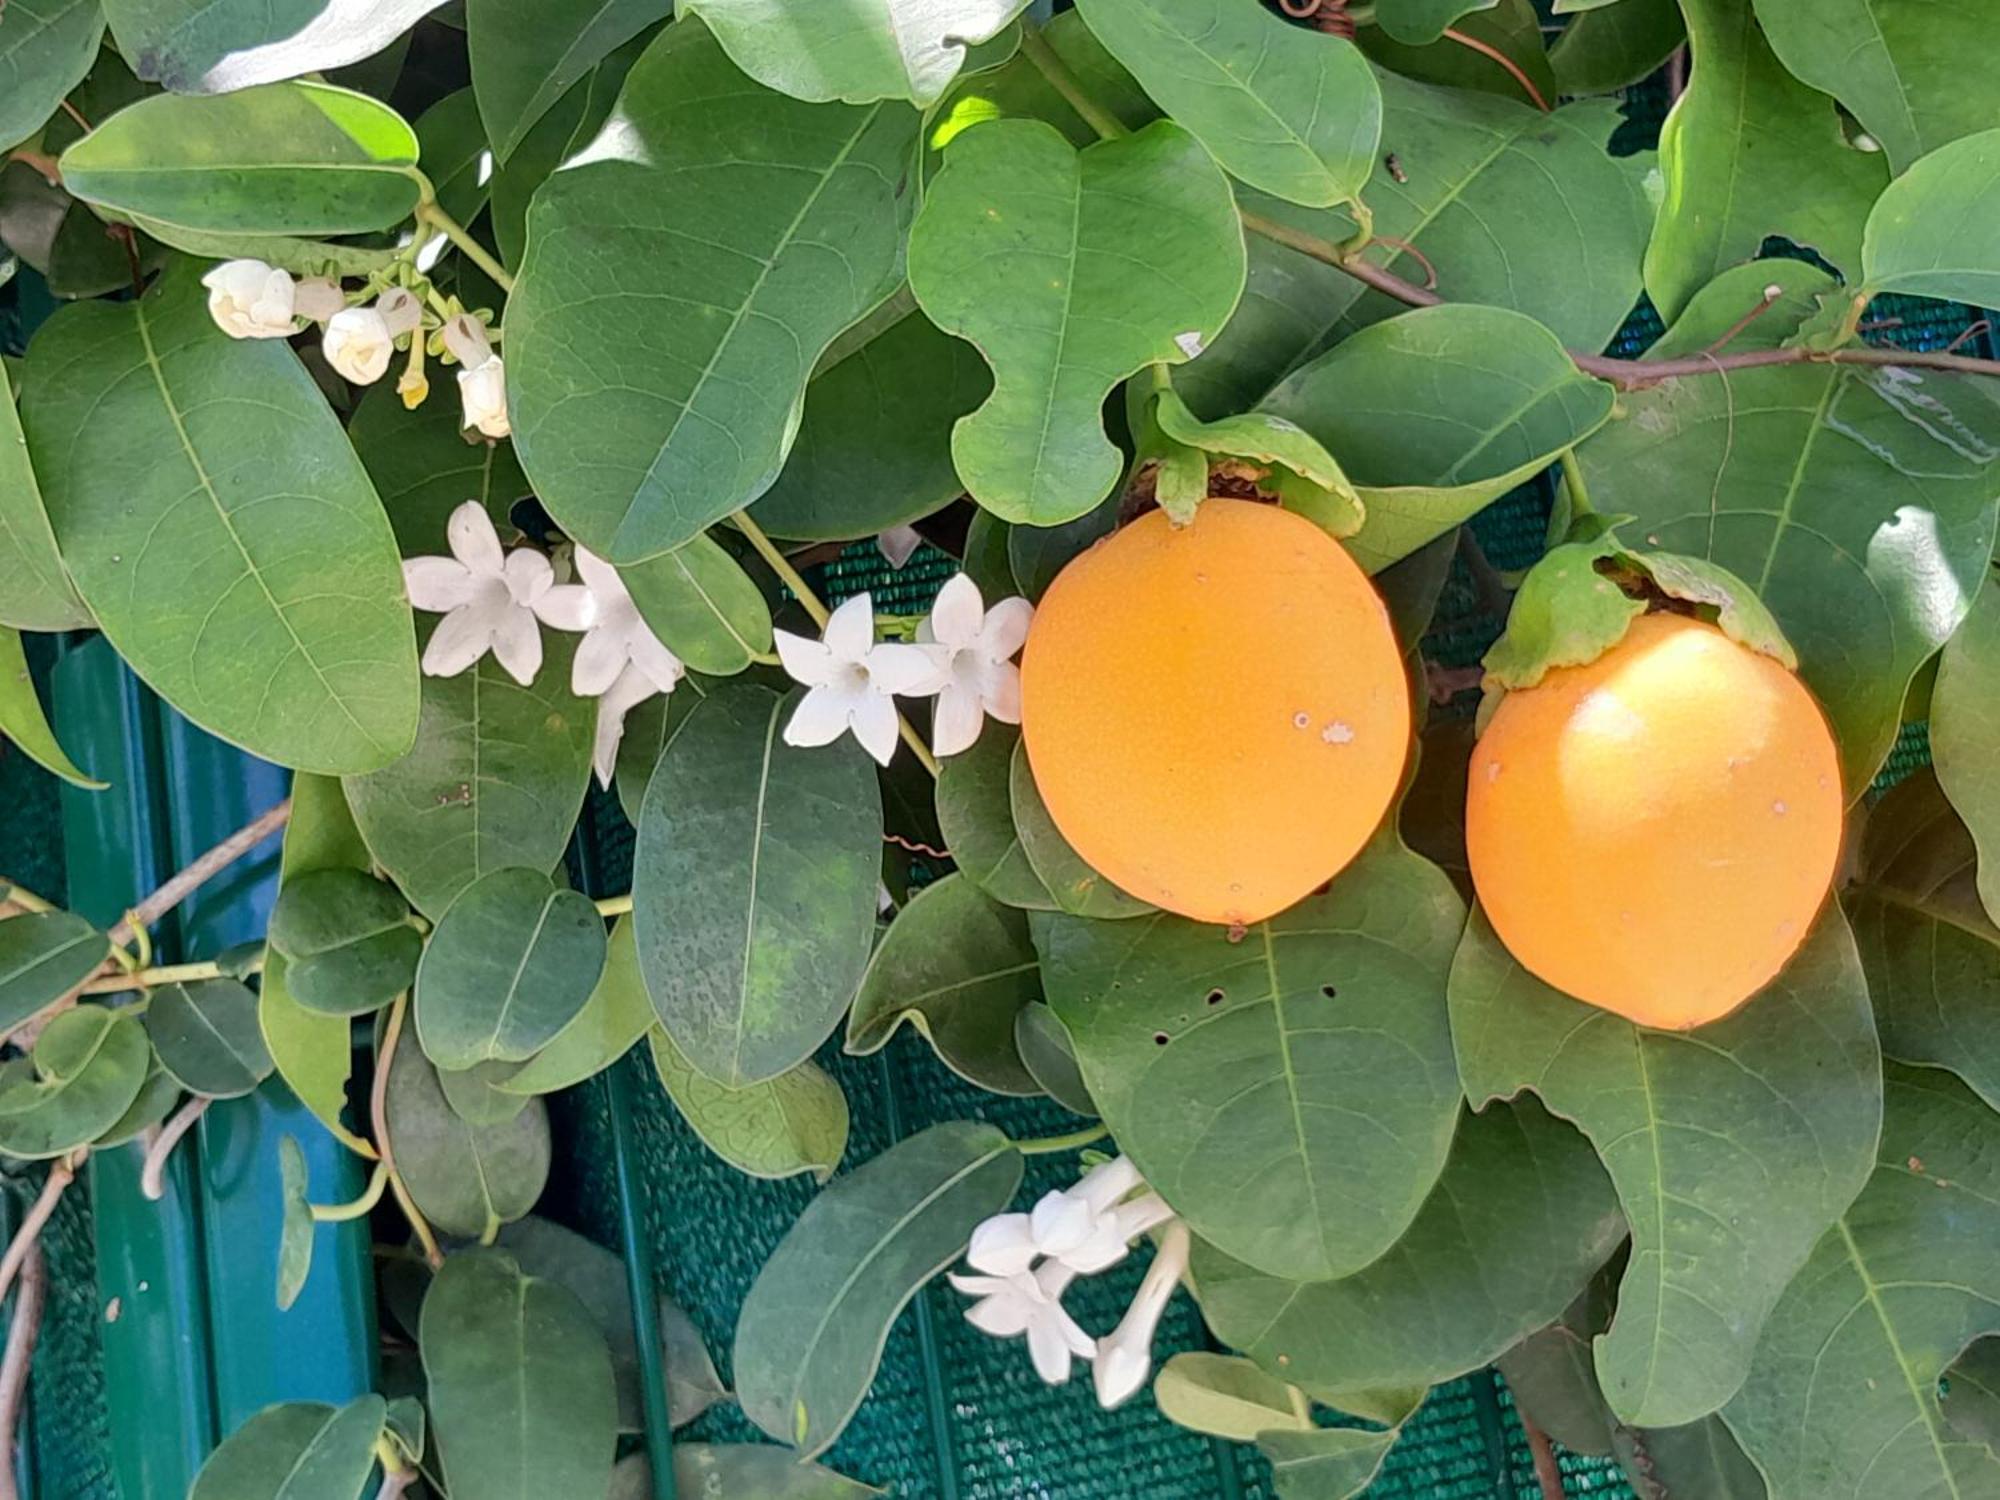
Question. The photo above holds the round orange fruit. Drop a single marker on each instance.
(1654, 833)
(1216, 714)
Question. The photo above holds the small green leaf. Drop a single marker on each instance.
(1226, 1396)
(295, 1236)
(46, 50)
(44, 955)
(1335, 1463)
(156, 1100)
(1739, 613)
(347, 941)
(22, 721)
(855, 50)
(1965, 732)
(1050, 1056)
(525, 56)
(1701, 1458)
(88, 1066)
(1073, 885)
(1931, 232)
(1306, 475)
(732, 1469)
(566, 129)
(424, 467)
(702, 605)
(1035, 554)
(812, 1329)
(301, 1450)
(1565, 614)
(212, 46)
(206, 1036)
(975, 811)
(467, 1179)
(35, 592)
(781, 1127)
(1611, 47)
(478, 1096)
(615, 1016)
(451, 148)
(1552, 1377)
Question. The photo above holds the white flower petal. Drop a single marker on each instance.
(1049, 1351)
(460, 639)
(251, 300)
(652, 658)
(1000, 691)
(473, 540)
(1006, 629)
(400, 310)
(529, 575)
(977, 1286)
(600, 657)
(956, 720)
(1003, 1245)
(1002, 1315)
(600, 577)
(482, 394)
(806, 661)
(628, 692)
(875, 727)
(955, 617)
(517, 645)
(465, 337)
(1107, 1182)
(820, 719)
(567, 606)
(898, 544)
(851, 631)
(906, 670)
(1060, 1222)
(437, 584)
(317, 298)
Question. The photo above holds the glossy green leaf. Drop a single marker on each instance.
(35, 592)
(526, 54)
(793, 1123)
(467, 1179)
(1965, 732)
(1070, 271)
(702, 605)
(812, 1329)
(179, 463)
(1071, 883)
(155, 1101)
(1732, 1147)
(1899, 70)
(301, 1450)
(287, 158)
(1520, 1221)
(297, 1230)
(855, 50)
(424, 467)
(347, 940)
(614, 1017)
(1416, 22)
(88, 1065)
(1436, 414)
(1701, 1458)
(1932, 233)
(975, 811)
(1295, 113)
(747, 1469)
(958, 966)
(1050, 1057)
(45, 50)
(520, 1386)
(1566, 613)
(510, 963)
(1236, 1072)
(496, 779)
(692, 419)
(1749, 152)
(874, 447)
(754, 886)
(1298, 469)
(1332, 1464)
(22, 721)
(1612, 47)
(211, 46)
(452, 150)
(205, 1034)
(44, 955)
(566, 129)
(1226, 1396)
(1841, 1402)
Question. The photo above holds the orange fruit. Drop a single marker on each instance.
(1654, 833)
(1217, 714)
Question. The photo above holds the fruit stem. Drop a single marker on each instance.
(1051, 66)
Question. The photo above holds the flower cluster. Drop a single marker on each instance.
(251, 300)
(1028, 1260)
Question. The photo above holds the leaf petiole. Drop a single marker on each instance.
(1050, 65)
(1075, 1141)
(340, 1213)
(428, 212)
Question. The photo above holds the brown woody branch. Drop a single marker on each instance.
(204, 869)
(23, 1331)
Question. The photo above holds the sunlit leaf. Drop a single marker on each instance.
(1229, 1397)
(210, 46)
(1931, 233)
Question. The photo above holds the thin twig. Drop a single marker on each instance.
(1764, 304)
(23, 1330)
(378, 1114)
(191, 879)
(1035, 47)
(43, 163)
(75, 114)
(152, 1175)
(1487, 49)
(1633, 374)
(1971, 333)
(1548, 1473)
(395, 1482)
(62, 1172)
(143, 979)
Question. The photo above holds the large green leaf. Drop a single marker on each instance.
(180, 464)
(212, 46)
(796, 1122)
(1499, 50)
(1897, 67)
(613, 1018)
(46, 48)
(205, 1034)
(1932, 233)
(287, 158)
(347, 940)
(1700, 1459)
(526, 54)
(300, 1450)
(496, 779)
(642, 414)
(88, 1066)
(1437, 413)
(424, 467)
(1073, 885)
(1749, 152)
(35, 592)
(1553, 1377)
(702, 605)
(1612, 47)
(812, 1329)
(1965, 732)
(22, 721)
(855, 50)
(1050, 1058)
(975, 811)
(568, 127)
(520, 1387)
(1416, 22)
(958, 966)
(1070, 271)
(1521, 1219)
(1841, 1402)
(1732, 1147)
(1236, 1070)
(43, 956)
(754, 886)
(1335, 1463)
(467, 1179)
(1294, 113)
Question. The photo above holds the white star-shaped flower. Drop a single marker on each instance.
(1079, 1227)
(615, 634)
(973, 648)
(1031, 1304)
(487, 597)
(852, 680)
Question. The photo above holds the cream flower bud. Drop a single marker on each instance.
(465, 339)
(400, 310)
(482, 390)
(358, 344)
(250, 300)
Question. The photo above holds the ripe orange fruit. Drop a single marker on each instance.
(1654, 832)
(1216, 715)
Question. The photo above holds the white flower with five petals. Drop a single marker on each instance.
(851, 679)
(359, 340)
(1030, 1303)
(615, 634)
(1078, 1227)
(487, 597)
(973, 650)
(251, 300)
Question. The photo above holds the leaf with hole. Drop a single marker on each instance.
(796, 1122)
(300, 1450)
(347, 941)
(466, 1179)
(88, 1066)
(206, 1036)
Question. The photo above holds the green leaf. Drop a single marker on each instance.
(702, 605)
(1035, 554)
(424, 467)
(1124, 255)
(287, 158)
(1749, 152)
(156, 1099)
(1510, 28)
(520, 1383)
(1732, 1147)
(1971, 1398)
(635, 454)
(564, 130)
(975, 812)
(347, 941)
(959, 967)
(1965, 731)
(1897, 70)
(1225, 1396)
(179, 463)
(525, 56)
(855, 50)
(746, 1469)
(812, 1329)
(88, 1066)
(754, 886)
(46, 50)
(1931, 233)
(1842, 1397)
(796, 1122)
(300, 1450)
(467, 1179)
(206, 1036)
(1072, 884)
(1565, 614)
(1237, 1072)
(1417, 22)
(451, 147)
(477, 1094)
(615, 1016)
(510, 963)
(44, 955)
(1333, 1464)
(495, 780)
(1553, 1379)
(1436, 414)
(1702, 1458)
(35, 592)
(1305, 474)
(1295, 113)
(212, 46)
(1612, 47)
(1519, 1222)
(874, 448)
(1050, 1056)
(649, 729)
(295, 1235)
(22, 721)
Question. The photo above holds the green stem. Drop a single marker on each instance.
(1075, 1141)
(428, 212)
(1579, 492)
(1051, 66)
(788, 575)
(24, 898)
(340, 1213)
(141, 979)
